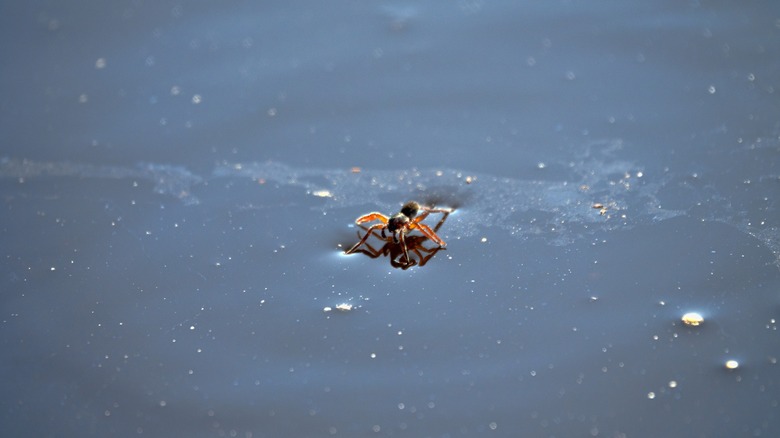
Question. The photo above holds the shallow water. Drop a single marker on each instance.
(178, 190)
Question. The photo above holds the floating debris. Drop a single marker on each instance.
(600, 207)
(732, 364)
(322, 193)
(344, 307)
(693, 319)
(355, 169)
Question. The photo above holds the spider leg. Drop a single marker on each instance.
(426, 211)
(403, 245)
(371, 217)
(365, 237)
(438, 210)
(421, 216)
(372, 252)
(428, 232)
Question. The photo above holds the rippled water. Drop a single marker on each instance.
(179, 182)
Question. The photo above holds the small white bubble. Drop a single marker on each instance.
(711, 90)
(100, 63)
(651, 395)
(196, 99)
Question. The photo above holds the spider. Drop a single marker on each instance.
(401, 223)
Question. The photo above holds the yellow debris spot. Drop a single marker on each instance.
(692, 319)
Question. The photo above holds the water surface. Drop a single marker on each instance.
(178, 190)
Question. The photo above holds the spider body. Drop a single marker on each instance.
(399, 224)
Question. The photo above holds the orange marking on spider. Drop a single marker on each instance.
(400, 224)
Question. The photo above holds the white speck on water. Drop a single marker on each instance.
(711, 90)
(651, 395)
(196, 99)
(322, 193)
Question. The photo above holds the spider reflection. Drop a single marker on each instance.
(398, 259)
(400, 244)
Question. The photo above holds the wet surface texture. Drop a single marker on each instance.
(179, 182)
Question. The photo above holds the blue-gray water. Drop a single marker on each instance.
(178, 189)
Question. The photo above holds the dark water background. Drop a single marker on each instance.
(177, 194)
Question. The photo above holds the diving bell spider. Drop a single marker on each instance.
(400, 224)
